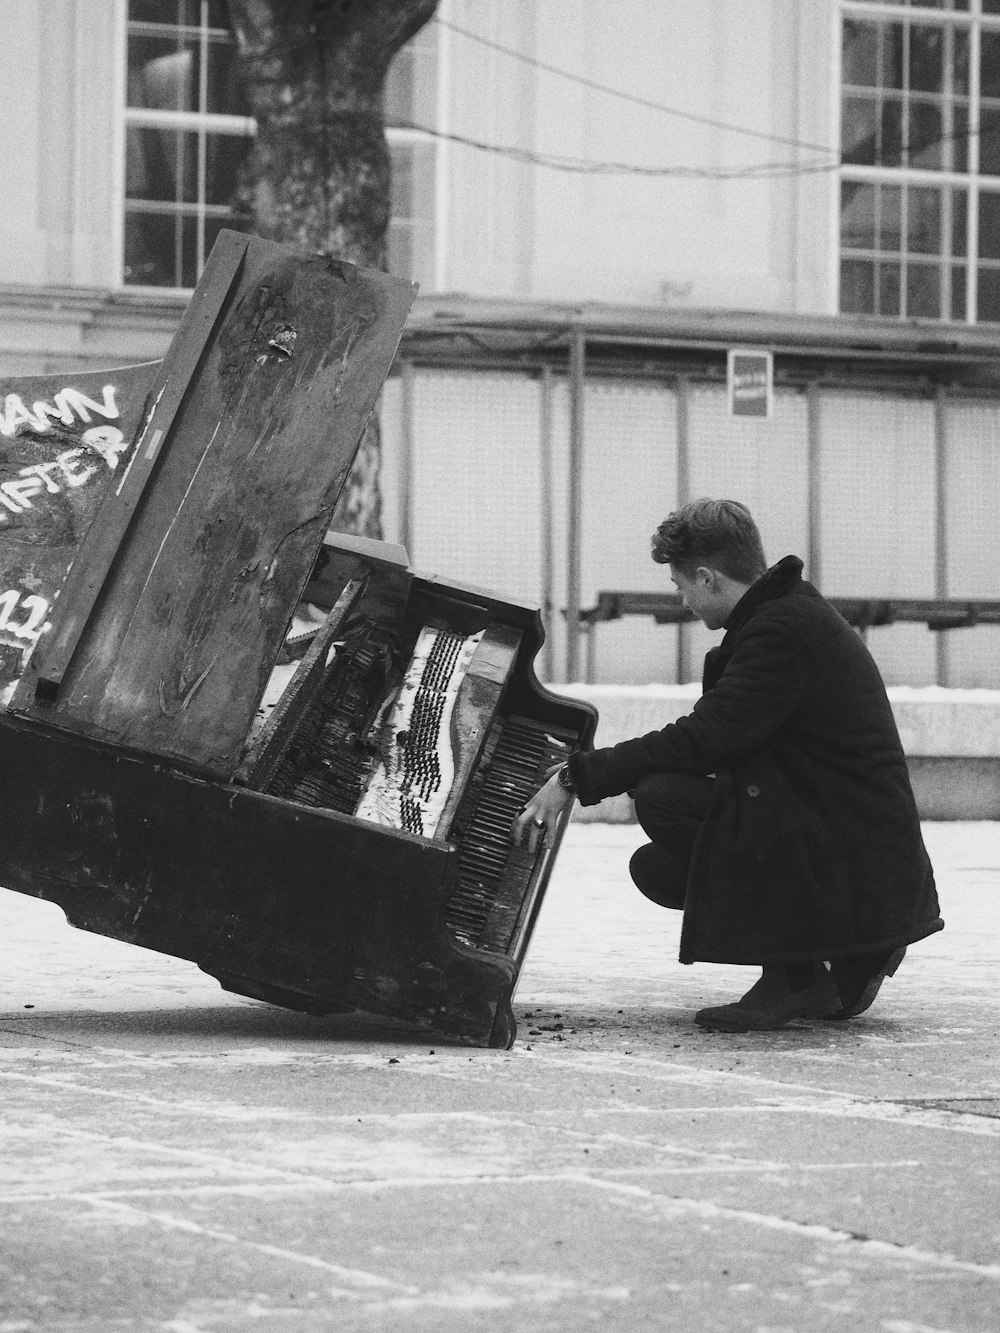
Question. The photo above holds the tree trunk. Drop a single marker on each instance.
(318, 174)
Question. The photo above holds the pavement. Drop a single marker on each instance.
(179, 1159)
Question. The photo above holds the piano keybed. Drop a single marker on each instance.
(494, 893)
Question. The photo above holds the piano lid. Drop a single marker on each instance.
(177, 602)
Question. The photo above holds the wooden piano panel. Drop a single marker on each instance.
(166, 641)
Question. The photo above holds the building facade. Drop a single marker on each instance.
(833, 165)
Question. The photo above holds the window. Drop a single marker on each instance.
(920, 154)
(185, 137)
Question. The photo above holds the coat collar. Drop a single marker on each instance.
(778, 580)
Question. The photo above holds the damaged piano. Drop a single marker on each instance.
(232, 736)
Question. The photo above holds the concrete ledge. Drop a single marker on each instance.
(951, 739)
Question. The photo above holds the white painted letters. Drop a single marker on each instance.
(67, 401)
(12, 603)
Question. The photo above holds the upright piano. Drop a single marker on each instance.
(231, 735)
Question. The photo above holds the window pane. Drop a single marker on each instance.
(892, 55)
(989, 143)
(858, 131)
(890, 218)
(152, 249)
(161, 164)
(959, 223)
(860, 49)
(957, 142)
(890, 150)
(958, 307)
(988, 296)
(989, 63)
(989, 225)
(960, 60)
(991, 6)
(925, 135)
(857, 287)
(923, 291)
(161, 73)
(857, 216)
(223, 89)
(888, 289)
(926, 58)
(224, 155)
(923, 230)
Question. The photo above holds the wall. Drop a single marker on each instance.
(59, 152)
(643, 238)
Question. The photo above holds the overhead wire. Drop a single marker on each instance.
(634, 98)
(590, 166)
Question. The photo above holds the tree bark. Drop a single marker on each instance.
(318, 174)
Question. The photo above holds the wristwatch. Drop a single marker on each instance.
(564, 780)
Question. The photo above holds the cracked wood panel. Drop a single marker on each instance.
(221, 535)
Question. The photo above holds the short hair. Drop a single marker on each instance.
(720, 534)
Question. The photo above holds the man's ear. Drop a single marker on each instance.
(709, 577)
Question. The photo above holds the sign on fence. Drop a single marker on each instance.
(749, 380)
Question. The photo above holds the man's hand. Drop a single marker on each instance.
(541, 815)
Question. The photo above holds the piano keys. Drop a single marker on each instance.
(329, 832)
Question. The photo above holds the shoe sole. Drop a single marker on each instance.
(867, 997)
(749, 1021)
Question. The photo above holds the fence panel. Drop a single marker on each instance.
(762, 462)
(629, 486)
(483, 475)
(877, 520)
(972, 543)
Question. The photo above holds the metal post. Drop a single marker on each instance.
(941, 526)
(577, 367)
(683, 493)
(814, 484)
(406, 469)
(546, 489)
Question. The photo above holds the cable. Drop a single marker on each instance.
(587, 166)
(629, 97)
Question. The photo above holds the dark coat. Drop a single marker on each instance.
(811, 848)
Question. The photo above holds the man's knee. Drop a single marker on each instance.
(659, 876)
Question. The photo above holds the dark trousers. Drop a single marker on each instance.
(670, 808)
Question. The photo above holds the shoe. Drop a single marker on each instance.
(858, 991)
(771, 1003)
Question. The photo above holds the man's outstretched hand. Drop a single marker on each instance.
(541, 815)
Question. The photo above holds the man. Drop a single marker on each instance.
(779, 811)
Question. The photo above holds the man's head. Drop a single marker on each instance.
(714, 552)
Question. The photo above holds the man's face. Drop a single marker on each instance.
(701, 596)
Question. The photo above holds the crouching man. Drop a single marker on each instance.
(779, 812)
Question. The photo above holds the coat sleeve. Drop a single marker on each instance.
(758, 690)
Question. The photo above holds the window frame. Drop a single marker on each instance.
(200, 122)
(971, 180)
